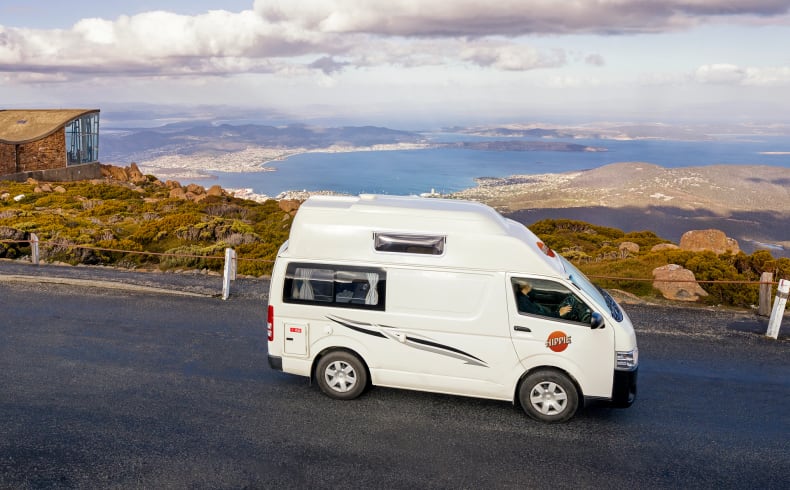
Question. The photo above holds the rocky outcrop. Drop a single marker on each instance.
(677, 283)
(114, 173)
(135, 175)
(290, 206)
(130, 174)
(215, 191)
(664, 246)
(713, 240)
(628, 249)
(178, 193)
(8, 233)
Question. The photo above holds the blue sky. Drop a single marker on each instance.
(402, 62)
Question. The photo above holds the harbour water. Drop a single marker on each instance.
(449, 170)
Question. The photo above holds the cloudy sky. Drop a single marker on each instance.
(404, 62)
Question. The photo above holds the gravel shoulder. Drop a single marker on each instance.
(182, 283)
(664, 317)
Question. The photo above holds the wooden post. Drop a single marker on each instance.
(766, 280)
(34, 248)
(229, 273)
(779, 309)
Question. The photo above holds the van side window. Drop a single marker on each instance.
(548, 298)
(338, 286)
(412, 244)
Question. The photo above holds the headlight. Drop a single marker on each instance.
(627, 360)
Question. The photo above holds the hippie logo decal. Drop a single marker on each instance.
(558, 341)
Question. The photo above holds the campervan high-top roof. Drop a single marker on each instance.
(474, 235)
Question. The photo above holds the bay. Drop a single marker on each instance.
(448, 170)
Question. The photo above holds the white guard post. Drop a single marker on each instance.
(779, 309)
(34, 247)
(229, 273)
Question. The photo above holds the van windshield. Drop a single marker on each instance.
(601, 297)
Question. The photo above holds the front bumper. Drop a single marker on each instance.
(624, 389)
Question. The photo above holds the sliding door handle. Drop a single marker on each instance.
(518, 328)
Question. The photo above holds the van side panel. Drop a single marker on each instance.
(451, 329)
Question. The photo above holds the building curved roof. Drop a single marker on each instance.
(23, 126)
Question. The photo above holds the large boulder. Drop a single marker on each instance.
(628, 248)
(195, 189)
(135, 175)
(677, 283)
(115, 173)
(8, 233)
(215, 191)
(713, 240)
(178, 193)
(289, 205)
(664, 246)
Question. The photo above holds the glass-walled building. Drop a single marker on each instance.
(82, 139)
(38, 140)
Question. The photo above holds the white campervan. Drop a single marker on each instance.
(445, 296)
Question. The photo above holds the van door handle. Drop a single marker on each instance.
(522, 329)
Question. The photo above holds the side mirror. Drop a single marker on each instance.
(596, 321)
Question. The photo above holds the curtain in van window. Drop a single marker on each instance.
(372, 297)
(305, 291)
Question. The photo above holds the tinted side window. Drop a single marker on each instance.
(550, 299)
(339, 286)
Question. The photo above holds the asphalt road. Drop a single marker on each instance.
(114, 388)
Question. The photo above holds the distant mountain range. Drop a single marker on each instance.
(205, 138)
(193, 138)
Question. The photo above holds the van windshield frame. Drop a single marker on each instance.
(601, 298)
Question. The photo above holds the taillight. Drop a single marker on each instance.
(270, 323)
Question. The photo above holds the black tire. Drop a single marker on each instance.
(341, 375)
(548, 396)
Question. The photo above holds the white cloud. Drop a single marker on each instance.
(506, 17)
(728, 74)
(351, 32)
(774, 76)
(511, 57)
(364, 48)
(720, 73)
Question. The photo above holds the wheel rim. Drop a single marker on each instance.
(340, 376)
(548, 398)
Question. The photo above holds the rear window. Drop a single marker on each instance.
(338, 286)
(412, 244)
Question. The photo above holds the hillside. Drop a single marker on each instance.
(135, 221)
(749, 203)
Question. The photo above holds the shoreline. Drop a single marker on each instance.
(199, 166)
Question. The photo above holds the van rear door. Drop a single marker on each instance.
(550, 326)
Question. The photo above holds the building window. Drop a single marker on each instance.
(82, 139)
(338, 286)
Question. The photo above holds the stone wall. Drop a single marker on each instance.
(44, 154)
(86, 171)
(7, 159)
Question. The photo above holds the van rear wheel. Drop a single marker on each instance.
(548, 396)
(341, 375)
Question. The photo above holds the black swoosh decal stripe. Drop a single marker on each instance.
(440, 346)
(359, 329)
(426, 344)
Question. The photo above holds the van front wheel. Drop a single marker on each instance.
(548, 396)
(341, 375)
